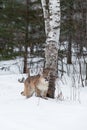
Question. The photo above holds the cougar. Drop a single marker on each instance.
(37, 84)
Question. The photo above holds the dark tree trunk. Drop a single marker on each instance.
(69, 53)
(51, 55)
(25, 60)
(86, 76)
(26, 38)
(86, 71)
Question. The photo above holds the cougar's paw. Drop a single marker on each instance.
(22, 93)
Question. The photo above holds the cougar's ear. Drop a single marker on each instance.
(41, 71)
(28, 72)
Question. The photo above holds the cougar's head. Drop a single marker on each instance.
(44, 80)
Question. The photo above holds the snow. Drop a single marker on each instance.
(19, 113)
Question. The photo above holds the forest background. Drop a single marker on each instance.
(22, 34)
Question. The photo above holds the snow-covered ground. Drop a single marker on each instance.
(19, 113)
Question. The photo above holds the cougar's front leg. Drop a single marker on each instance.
(37, 92)
(44, 95)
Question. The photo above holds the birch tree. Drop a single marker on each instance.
(51, 11)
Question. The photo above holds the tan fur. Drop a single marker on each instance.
(41, 87)
(29, 86)
(36, 84)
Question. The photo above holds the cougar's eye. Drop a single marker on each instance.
(46, 79)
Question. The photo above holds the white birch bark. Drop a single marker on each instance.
(46, 16)
(52, 29)
(54, 16)
(52, 20)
